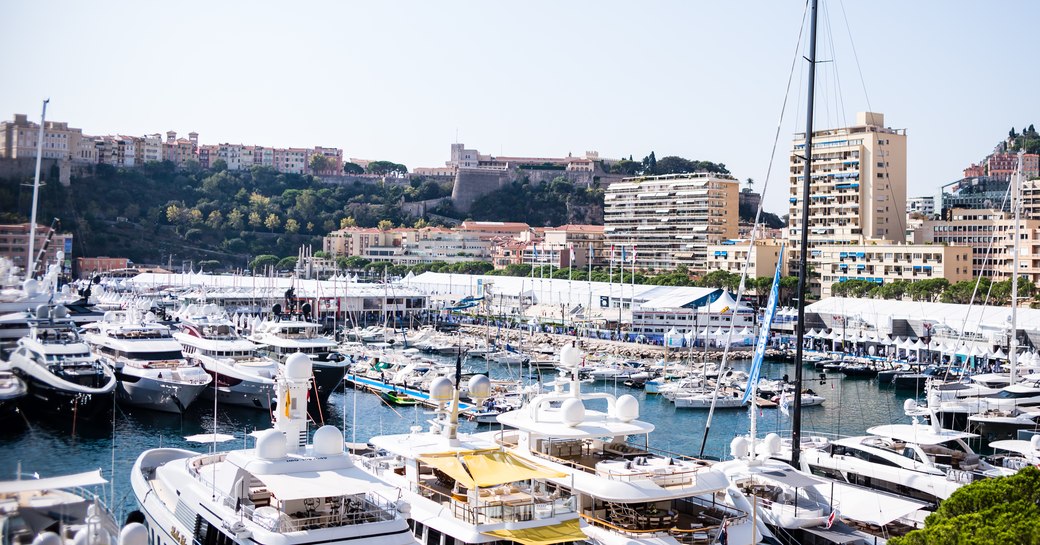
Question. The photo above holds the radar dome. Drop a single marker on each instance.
(479, 387)
(570, 356)
(627, 408)
(441, 389)
(90, 535)
(1035, 441)
(47, 538)
(270, 445)
(572, 412)
(298, 367)
(31, 287)
(328, 441)
(909, 405)
(772, 443)
(134, 533)
(59, 311)
(210, 309)
(738, 447)
(404, 508)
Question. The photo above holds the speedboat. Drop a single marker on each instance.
(56, 510)
(147, 360)
(285, 490)
(726, 398)
(469, 489)
(240, 376)
(63, 377)
(627, 492)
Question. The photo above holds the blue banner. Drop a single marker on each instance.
(763, 330)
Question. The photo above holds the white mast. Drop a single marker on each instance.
(30, 267)
(1013, 345)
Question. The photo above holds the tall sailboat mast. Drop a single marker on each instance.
(30, 266)
(1013, 344)
(796, 420)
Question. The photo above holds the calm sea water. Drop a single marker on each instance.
(852, 406)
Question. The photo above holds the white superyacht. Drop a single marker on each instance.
(147, 360)
(284, 491)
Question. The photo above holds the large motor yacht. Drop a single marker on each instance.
(919, 461)
(284, 491)
(12, 390)
(148, 362)
(278, 339)
(63, 377)
(469, 489)
(243, 378)
(626, 491)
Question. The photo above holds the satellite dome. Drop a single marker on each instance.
(772, 443)
(31, 287)
(570, 356)
(134, 533)
(441, 389)
(738, 447)
(479, 387)
(270, 445)
(1035, 441)
(298, 366)
(909, 405)
(627, 408)
(328, 441)
(572, 412)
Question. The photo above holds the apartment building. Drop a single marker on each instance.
(1002, 165)
(117, 150)
(181, 151)
(857, 186)
(495, 229)
(150, 148)
(14, 244)
(585, 240)
(18, 139)
(334, 157)
(366, 242)
(924, 206)
(990, 235)
(667, 221)
(882, 262)
(731, 255)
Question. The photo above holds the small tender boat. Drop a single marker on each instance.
(394, 397)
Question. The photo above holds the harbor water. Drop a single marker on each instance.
(49, 449)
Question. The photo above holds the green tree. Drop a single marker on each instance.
(385, 225)
(322, 254)
(261, 262)
(272, 222)
(292, 226)
(255, 220)
(318, 163)
(347, 222)
(352, 169)
(383, 168)
(1000, 511)
(219, 165)
(215, 220)
(287, 263)
(235, 219)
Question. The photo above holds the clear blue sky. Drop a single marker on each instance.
(396, 80)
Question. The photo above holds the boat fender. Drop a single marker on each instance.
(47, 538)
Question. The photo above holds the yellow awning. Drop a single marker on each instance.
(452, 466)
(543, 535)
(495, 468)
(488, 469)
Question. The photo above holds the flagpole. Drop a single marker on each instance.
(588, 313)
(632, 298)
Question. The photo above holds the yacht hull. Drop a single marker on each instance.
(157, 394)
(51, 400)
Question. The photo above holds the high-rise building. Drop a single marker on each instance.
(990, 234)
(662, 222)
(858, 186)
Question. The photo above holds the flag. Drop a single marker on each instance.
(622, 254)
(571, 248)
(785, 403)
(536, 252)
(591, 252)
(763, 331)
(611, 253)
(633, 253)
(724, 532)
(830, 518)
(288, 402)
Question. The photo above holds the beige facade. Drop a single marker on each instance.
(18, 139)
(857, 189)
(580, 239)
(990, 235)
(732, 254)
(881, 262)
(670, 220)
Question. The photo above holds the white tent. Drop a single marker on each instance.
(811, 333)
(999, 355)
(745, 333)
(887, 341)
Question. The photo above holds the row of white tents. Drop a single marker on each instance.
(967, 350)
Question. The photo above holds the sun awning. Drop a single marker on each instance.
(488, 469)
(869, 506)
(89, 478)
(543, 535)
(308, 484)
